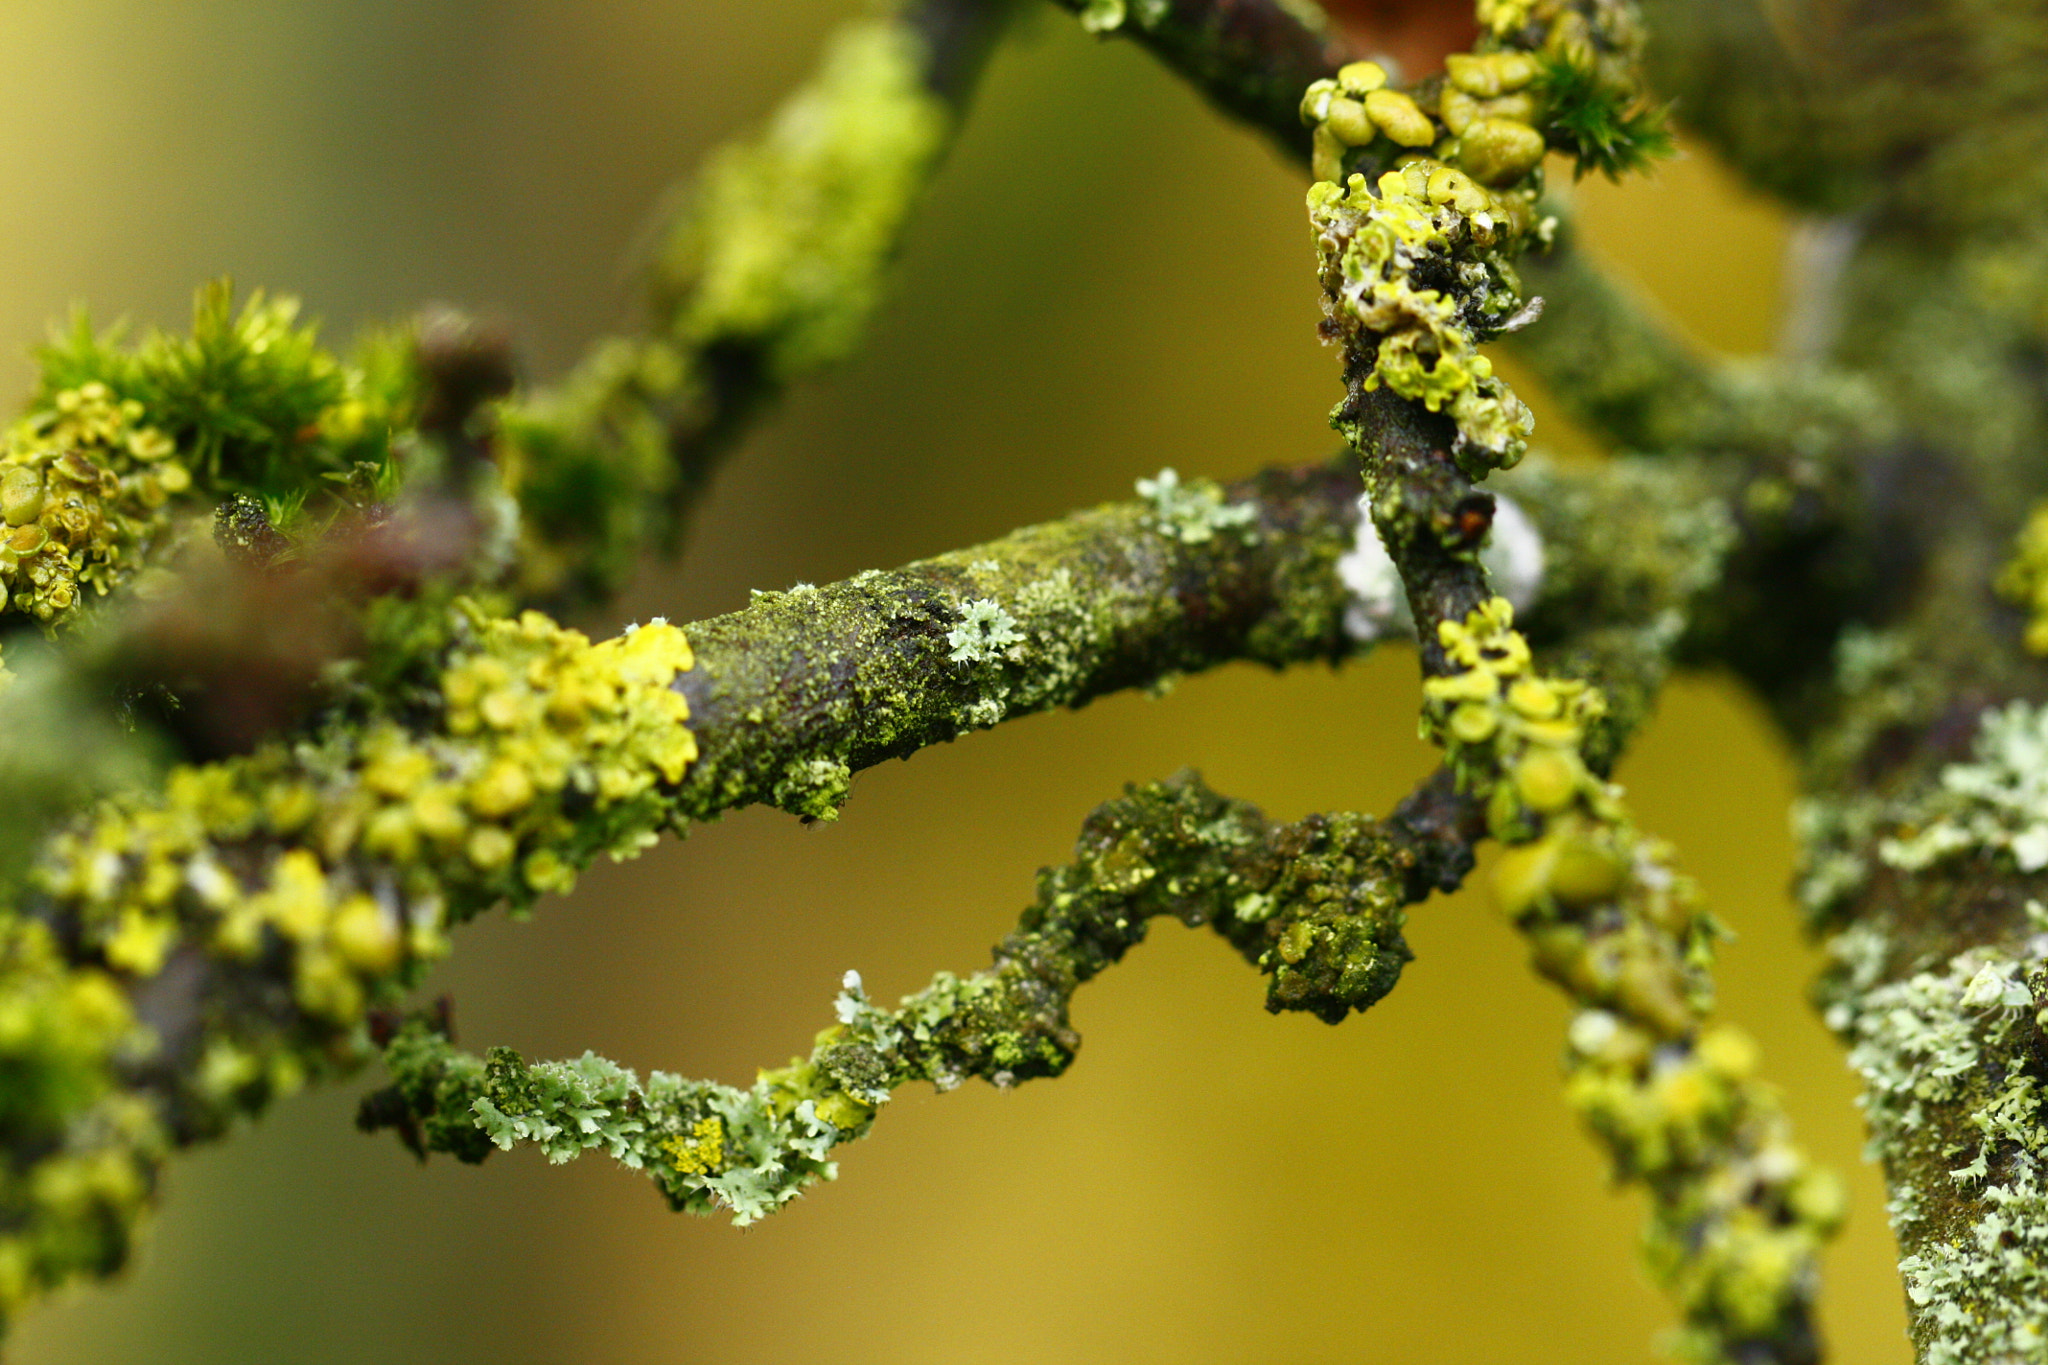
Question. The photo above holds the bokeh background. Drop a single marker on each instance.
(1107, 280)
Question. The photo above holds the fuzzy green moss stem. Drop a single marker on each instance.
(768, 274)
(1317, 906)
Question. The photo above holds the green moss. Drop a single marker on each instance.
(1330, 892)
(770, 271)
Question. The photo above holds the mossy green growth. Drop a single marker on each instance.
(1317, 905)
(782, 249)
(118, 439)
(249, 399)
(772, 269)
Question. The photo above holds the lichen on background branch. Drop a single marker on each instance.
(1316, 906)
(769, 271)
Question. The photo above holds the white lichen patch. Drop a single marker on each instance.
(984, 633)
(1376, 607)
(1996, 802)
(1193, 513)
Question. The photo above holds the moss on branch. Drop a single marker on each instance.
(769, 273)
(1316, 906)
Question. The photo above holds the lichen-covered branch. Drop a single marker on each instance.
(770, 272)
(1316, 906)
(1620, 371)
(1738, 1214)
(1250, 58)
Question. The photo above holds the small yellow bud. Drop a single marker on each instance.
(1400, 118)
(503, 788)
(1473, 723)
(364, 936)
(21, 495)
(490, 848)
(1521, 879)
(1347, 119)
(1359, 79)
(1495, 73)
(1454, 187)
(1548, 779)
(1586, 873)
(1498, 151)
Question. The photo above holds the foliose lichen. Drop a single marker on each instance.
(1193, 513)
(1422, 204)
(1953, 1085)
(1995, 803)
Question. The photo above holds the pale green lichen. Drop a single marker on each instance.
(1997, 802)
(986, 632)
(1193, 513)
(1953, 1098)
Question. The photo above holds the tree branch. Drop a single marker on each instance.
(770, 273)
(1249, 58)
(1621, 371)
(1316, 906)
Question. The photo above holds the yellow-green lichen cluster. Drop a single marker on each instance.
(84, 490)
(352, 850)
(2024, 579)
(311, 876)
(1424, 198)
(1739, 1215)
(80, 1152)
(1376, 246)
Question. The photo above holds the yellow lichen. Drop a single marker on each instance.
(83, 490)
(359, 846)
(1739, 1215)
(2024, 579)
(702, 1152)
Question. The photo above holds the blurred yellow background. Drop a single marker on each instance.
(1107, 280)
